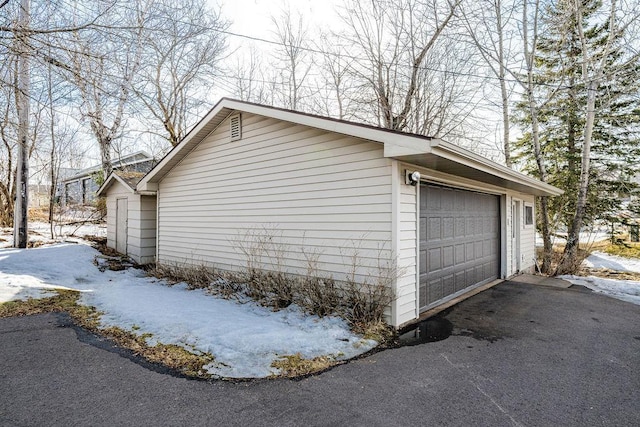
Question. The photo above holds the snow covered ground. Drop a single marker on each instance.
(41, 232)
(626, 290)
(586, 237)
(612, 262)
(244, 338)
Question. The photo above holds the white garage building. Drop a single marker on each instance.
(337, 189)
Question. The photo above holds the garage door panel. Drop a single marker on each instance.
(433, 200)
(459, 227)
(434, 263)
(460, 201)
(470, 252)
(459, 241)
(435, 291)
(459, 254)
(477, 250)
(448, 257)
(423, 264)
(447, 228)
(434, 229)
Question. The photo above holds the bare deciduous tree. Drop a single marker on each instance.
(488, 26)
(102, 66)
(295, 61)
(336, 89)
(182, 48)
(395, 37)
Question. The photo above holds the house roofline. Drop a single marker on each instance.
(399, 145)
(109, 182)
(119, 163)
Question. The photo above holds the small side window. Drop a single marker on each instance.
(528, 214)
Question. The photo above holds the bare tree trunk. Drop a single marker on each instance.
(593, 71)
(20, 220)
(530, 52)
(543, 214)
(52, 155)
(503, 86)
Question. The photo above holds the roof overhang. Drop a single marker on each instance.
(111, 179)
(447, 158)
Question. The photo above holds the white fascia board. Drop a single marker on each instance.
(407, 147)
(147, 187)
(467, 158)
(414, 144)
(147, 183)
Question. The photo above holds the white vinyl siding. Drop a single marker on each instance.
(142, 228)
(406, 292)
(141, 224)
(313, 190)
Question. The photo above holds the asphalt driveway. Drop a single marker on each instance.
(519, 354)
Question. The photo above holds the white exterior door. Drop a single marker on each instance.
(516, 226)
(122, 216)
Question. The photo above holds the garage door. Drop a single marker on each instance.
(459, 241)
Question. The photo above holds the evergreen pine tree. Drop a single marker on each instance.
(615, 150)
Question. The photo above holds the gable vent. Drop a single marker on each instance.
(235, 127)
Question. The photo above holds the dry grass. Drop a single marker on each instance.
(172, 356)
(64, 301)
(38, 214)
(627, 250)
(379, 331)
(609, 274)
(296, 365)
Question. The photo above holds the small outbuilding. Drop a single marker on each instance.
(353, 200)
(131, 217)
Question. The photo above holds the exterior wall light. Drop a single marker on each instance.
(412, 178)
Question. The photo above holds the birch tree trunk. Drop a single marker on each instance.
(530, 52)
(593, 71)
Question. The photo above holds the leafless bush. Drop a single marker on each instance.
(361, 298)
(264, 246)
(365, 303)
(200, 277)
(318, 295)
(196, 277)
(366, 299)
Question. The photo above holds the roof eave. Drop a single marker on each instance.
(448, 158)
(109, 182)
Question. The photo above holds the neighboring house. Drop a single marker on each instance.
(39, 195)
(80, 188)
(350, 194)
